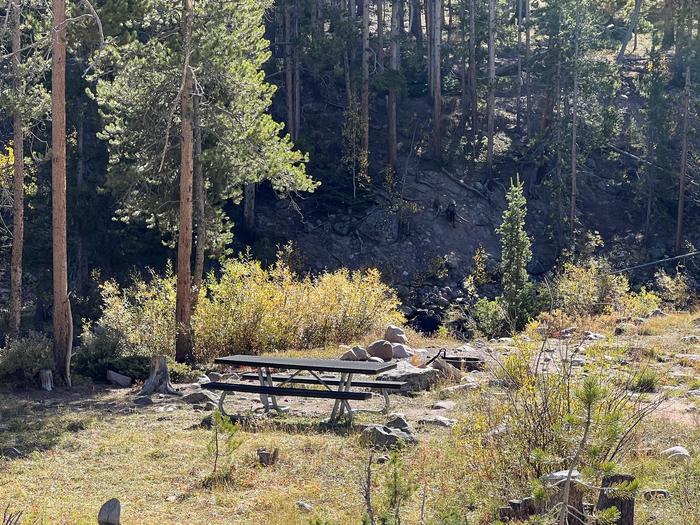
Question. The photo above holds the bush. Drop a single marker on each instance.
(674, 290)
(104, 350)
(490, 317)
(647, 381)
(24, 357)
(640, 304)
(248, 309)
(589, 288)
(252, 310)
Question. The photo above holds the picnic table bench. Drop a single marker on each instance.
(273, 384)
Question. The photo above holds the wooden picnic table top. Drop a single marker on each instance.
(317, 365)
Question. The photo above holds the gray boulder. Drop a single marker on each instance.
(438, 421)
(356, 353)
(691, 339)
(446, 370)
(398, 422)
(119, 380)
(215, 376)
(110, 513)
(381, 349)
(444, 405)
(197, 397)
(677, 453)
(395, 334)
(401, 351)
(416, 379)
(383, 437)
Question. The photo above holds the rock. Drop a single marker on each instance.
(305, 506)
(439, 421)
(677, 453)
(446, 370)
(658, 313)
(693, 393)
(215, 376)
(505, 340)
(625, 329)
(143, 400)
(375, 360)
(10, 453)
(356, 353)
(383, 437)
(119, 380)
(444, 405)
(401, 351)
(651, 494)
(398, 421)
(199, 397)
(110, 513)
(593, 336)
(381, 349)
(556, 477)
(416, 379)
(688, 357)
(395, 334)
(459, 389)
(690, 339)
(203, 380)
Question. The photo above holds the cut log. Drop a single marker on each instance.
(267, 457)
(46, 378)
(159, 379)
(609, 497)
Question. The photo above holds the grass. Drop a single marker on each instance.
(84, 447)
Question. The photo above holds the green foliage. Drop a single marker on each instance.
(490, 317)
(399, 487)
(647, 381)
(224, 441)
(104, 350)
(674, 290)
(138, 99)
(252, 310)
(23, 358)
(515, 256)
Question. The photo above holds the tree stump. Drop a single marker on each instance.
(158, 379)
(267, 457)
(612, 498)
(575, 513)
(110, 513)
(46, 378)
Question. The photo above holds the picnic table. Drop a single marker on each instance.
(309, 372)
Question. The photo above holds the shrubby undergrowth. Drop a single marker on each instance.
(247, 309)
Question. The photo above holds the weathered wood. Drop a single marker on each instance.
(287, 391)
(612, 498)
(46, 378)
(158, 379)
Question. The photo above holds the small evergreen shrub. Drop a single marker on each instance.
(490, 317)
(647, 381)
(23, 358)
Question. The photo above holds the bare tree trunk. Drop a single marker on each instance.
(183, 306)
(492, 84)
(380, 33)
(436, 81)
(464, 83)
(528, 83)
(519, 93)
(17, 182)
(62, 318)
(199, 206)
(631, 28)
(472, 70)
(574, 132)
(669, 24)
(297, 77)
(684, 163)
(289, 71)
(559, 138)
(394, 57)
(81, 251)
(364, 103)
(249, 207)
(415, 25)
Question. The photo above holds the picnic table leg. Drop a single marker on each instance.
(342, 406)
(263, 397)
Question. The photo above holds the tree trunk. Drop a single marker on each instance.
(519, 93)
(608, 499)
(297, 77)
(289, 72)
(62, 318)
(436, 37)
(199, 206)
(631, 28)
(159, 378)
(394, 57)
(472, 70)
(684, 163)
(364, 102)
(415, 24)
(249, 208)
(528, 88)
(574, 132)
(669, 24)
(559, 139)
(17, 182)
(83, 275)
(492, 84)
(183, 307)
(380, 34)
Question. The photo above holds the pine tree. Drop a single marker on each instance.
(516, 253)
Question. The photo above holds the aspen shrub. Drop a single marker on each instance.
(249, 309)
